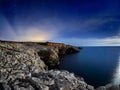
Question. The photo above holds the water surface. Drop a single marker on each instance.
(97, 65)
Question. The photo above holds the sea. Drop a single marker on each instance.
(97, 65)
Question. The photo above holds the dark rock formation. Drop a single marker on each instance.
(50, 56)
(63, 49)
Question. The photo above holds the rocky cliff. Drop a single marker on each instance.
(49, 52)
(45, 80)
(24, 66)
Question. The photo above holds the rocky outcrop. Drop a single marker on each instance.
(62, 48)
(49, 56)
(18, 60)
(54, 50)
(47, 80)
(109, 87)
(23, 67)
(48, 52)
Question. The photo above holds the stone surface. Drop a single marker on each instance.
(23, 67)
(47, 80)
(48, 52)
(18, 61)
(109, 87)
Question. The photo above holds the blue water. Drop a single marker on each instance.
(97, 65)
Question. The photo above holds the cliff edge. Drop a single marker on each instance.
(24, 66)
(49, 52)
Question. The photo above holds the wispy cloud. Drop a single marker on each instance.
(85, 24)
(34, 34)
(29, 33)
(60, 30)
(6, 30)
(109, 41)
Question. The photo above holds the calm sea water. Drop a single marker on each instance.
(97, 65)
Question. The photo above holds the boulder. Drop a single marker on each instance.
(47, 80)
(109, 86)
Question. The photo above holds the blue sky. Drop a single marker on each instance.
(76, 22)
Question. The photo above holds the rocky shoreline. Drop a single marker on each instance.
(24, 66)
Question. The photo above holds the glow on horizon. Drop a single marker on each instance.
(33, 34)
(25, 34)
(22, 33)
(51, 33)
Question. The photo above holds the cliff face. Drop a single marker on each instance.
(48, 52)
(24, 66)
(17, 60)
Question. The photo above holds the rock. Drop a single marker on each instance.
(63, 49)
(48, 52)
(4, 86)
(23, 67)
(90, 87)
(18, 60)
(101, 88)
(48, 80)
(109, 87)
(114, 87)
(50, 56)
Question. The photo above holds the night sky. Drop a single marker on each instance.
(76, 22)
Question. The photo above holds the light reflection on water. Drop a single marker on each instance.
(116, 76)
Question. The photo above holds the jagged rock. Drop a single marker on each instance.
(48, 52)
(63, 49)
(48, 80)
(22, 67)
(18, 60)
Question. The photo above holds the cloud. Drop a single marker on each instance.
(109, 41)
(85, 24)
(34, 34)
(28, 33)
(69, 23)
(58, 29)
(6, 29)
